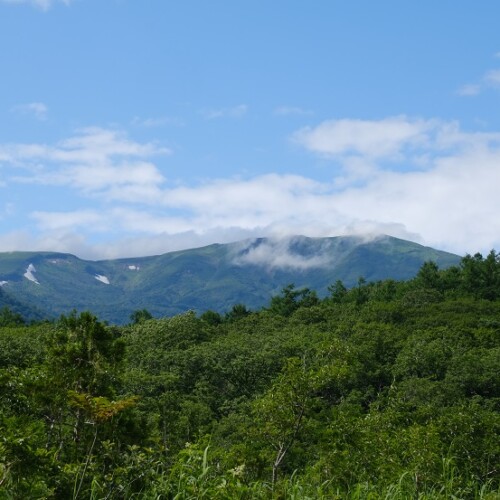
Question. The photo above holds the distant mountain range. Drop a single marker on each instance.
(213, 277)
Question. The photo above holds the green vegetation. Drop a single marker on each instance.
(388, 389)
(211, 278)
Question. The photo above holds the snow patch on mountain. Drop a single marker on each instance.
(134, 268)
(102, 279)
(29, 274)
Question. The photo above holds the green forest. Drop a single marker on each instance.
(389, 389)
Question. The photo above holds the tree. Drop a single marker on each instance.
(361, 292)
(481, 276)
(83, 363)
(139, 316)
(238, 311)
(491, 276)
(280, 412)
(291, 299)
(85, 355)
(428, 276)
(10, 318)
(338, 292)
(211, 317)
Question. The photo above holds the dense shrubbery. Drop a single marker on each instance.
(387, 390)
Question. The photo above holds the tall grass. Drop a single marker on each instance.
(196, 478)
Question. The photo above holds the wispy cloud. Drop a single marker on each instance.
(469, 89)
(160, 121)
(490, 79)
(37, 109)
(233, 112)
(279, 253)
(291, 110)
(70, 220)
(95, 161)
(41, 4)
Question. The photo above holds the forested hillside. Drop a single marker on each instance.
(388, 389)
(213, 277)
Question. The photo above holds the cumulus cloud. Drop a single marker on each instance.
(373, 139)
(373, 144)
(41, 4)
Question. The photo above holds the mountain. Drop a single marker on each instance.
(213, 277)
(27, 311)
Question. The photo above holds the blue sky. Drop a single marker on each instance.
(138, 127)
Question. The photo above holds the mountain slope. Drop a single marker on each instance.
(213, 277)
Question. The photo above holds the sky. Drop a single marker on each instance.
(132, 128)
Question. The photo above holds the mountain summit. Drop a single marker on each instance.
(213, 277)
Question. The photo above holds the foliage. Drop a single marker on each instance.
(140, 315)
(10, 318)
(385, 390)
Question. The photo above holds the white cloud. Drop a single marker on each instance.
(95, 161)
(491, 79)
(267, 194)
(70, 220)
(444, 192)
(471, 89)
(41, 4)
(234, 112)
(37, 109)
(106, 178)
(370, 145)
(453, 205)
(279, 253)
(60, 241)
(371, 139)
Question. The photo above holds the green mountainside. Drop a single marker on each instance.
(26, 311)
(213, 277)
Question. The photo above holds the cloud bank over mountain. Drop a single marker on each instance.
(444, 193)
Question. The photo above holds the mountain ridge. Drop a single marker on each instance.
(214, 277)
